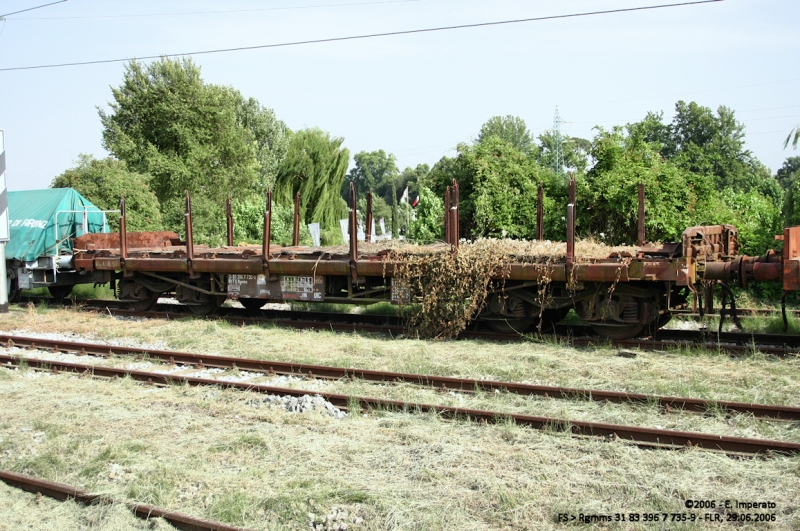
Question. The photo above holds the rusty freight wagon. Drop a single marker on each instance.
(623, 294)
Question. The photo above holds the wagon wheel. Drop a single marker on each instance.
(617, 330)
(208, 306)
(252, 304)
(145, 304)
(60, 293)
(550, 318)
(520, 320)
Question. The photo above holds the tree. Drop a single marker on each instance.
(372, 171)
(788, 172)
(104, 181)
(511, 129)
(702, 142)
(428, 226)
(608, 196)
(497, 190)
(167, 122)
(795, 132)
(314, 165)
(270, 134)
(410, 177)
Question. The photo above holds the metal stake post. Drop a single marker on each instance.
(267, 233)
(570, 230)
(368, 230)
(230, 221)
(353, 235)
(189, 236)
(540, 214)
(296, 233)
(454, 221)
(123, 233)
(641, 215)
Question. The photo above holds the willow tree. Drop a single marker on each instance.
(315, 165)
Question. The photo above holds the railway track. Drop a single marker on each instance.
(780, 345)
(638, 435)
(740, 343)
(63, 492)
(443, 383)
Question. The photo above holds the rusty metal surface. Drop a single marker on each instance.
(229, 220)
(439, 382)
(189, 235)
(296, 225)
(540, 213)
(353, 234)
(640, 232)
(135, 240)
(710, 242)
(368, 230)
(62, 492)
(570, 258)
(639, 435)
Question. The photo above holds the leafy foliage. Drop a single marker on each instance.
(104, 181)
(315, 165)
(167, 122)
(429, 223)
(608, 196)
(374, 171)
(512, 130)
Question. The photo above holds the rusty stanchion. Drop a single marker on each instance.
(123, 233)
(570, 230)
(540, 214)
(353, 234)
(368, 230)
(641, 215)
(189, 236)
(447, 238)
(296, 233)
(188, 219)
(267, 233)
(454, 210)
(229, 216)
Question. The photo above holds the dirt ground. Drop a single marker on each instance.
(236, 457)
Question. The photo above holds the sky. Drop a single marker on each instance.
(415, 95)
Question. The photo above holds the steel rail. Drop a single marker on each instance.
(443, 383)
(734, 342)
(63, 492)
(742, 343)
(655, 437)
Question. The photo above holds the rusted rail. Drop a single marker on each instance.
(654, 437)
(668, 403)
(62, 492)
(740, 343)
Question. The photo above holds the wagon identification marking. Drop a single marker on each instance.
(286, 287)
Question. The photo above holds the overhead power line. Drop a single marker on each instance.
(365, 36)
(222, 11)
(32, 8)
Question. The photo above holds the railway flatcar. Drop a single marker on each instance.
(42, 226)
(624, 294)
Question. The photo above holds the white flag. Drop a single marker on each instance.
(404, 197)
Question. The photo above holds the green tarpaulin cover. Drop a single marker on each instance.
(32, 216)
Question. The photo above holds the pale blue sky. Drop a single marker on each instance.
(416, 96)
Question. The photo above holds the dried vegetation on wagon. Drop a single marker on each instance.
(452, 287)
